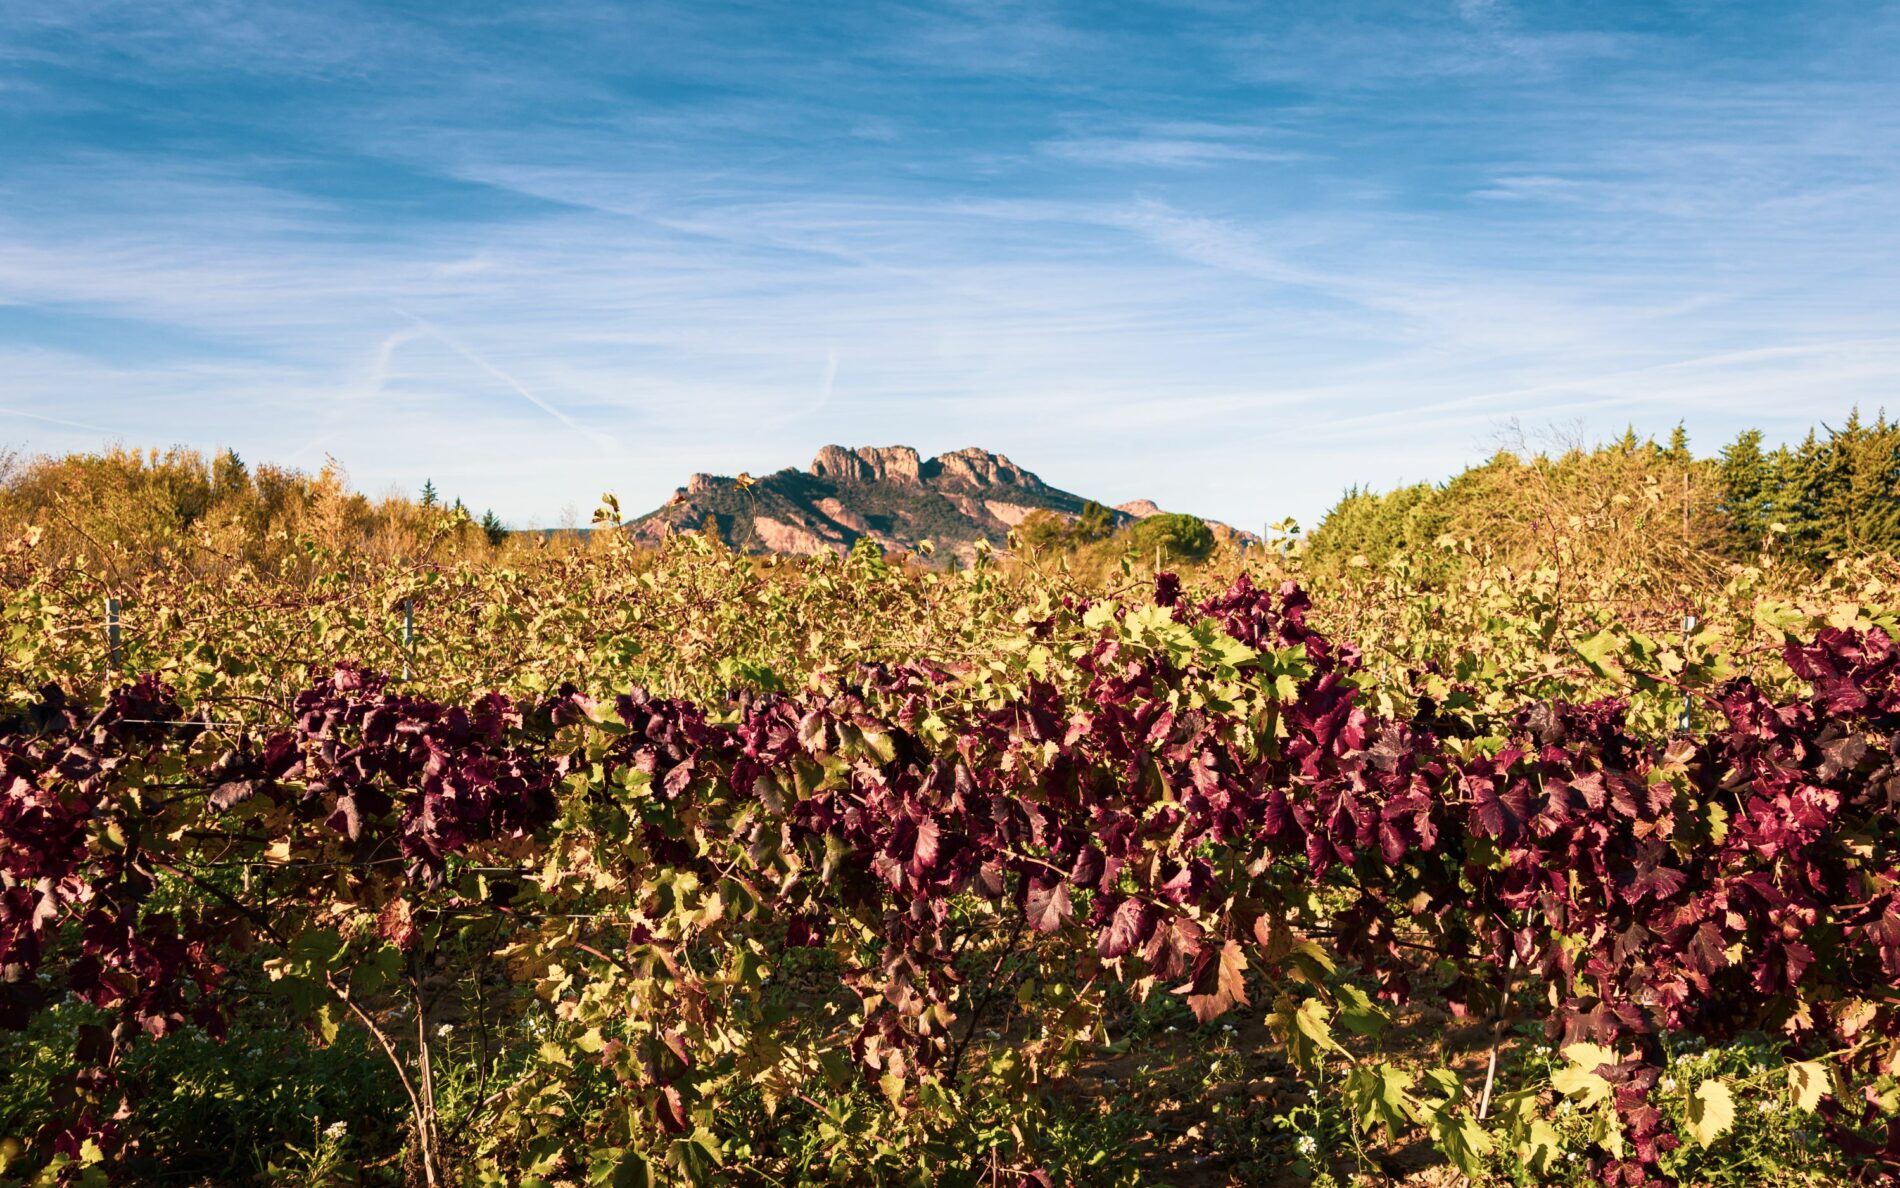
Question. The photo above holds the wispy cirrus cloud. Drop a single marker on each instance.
(1170, 144)
(1232, 257)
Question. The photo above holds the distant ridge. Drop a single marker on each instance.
(888, 494)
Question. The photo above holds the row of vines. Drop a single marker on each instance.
(766, 915)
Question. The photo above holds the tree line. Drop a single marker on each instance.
(132, 506)
(1832, 496)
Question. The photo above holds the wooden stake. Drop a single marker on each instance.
(115, 654)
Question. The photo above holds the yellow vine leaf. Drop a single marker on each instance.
(1711, 1111)
(1579, 1079)
(1808, 1083)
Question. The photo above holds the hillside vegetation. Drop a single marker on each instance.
(1835, 496)
(125, 509)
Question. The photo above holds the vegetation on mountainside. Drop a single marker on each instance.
(1047, 530)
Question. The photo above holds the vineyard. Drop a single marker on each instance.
(627, 865)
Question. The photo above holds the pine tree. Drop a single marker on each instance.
(1095, 523)
(1863, 508)
(1375, 526)
(493, 528)
(428, 493)
(1679, 443)
(1748, 496)
(1808, 477)
(229, 477)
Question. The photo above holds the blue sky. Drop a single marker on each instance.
(1231, 257)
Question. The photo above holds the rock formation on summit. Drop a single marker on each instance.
(887, 493)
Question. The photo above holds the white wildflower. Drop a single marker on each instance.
(336, 1130)
(1668, 1084)
(445, 1030)
(1307, 1145)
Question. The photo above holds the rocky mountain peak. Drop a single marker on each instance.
(887, 494)
(868, 464)
(978, 469)
(970, 469)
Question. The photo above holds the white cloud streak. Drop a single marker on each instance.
(1233, 306)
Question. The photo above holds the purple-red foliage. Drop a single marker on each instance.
(1746, 880)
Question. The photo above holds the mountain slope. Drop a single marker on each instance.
(887, 493)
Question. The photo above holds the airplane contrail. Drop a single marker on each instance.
(521, 390)
(20, 412)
